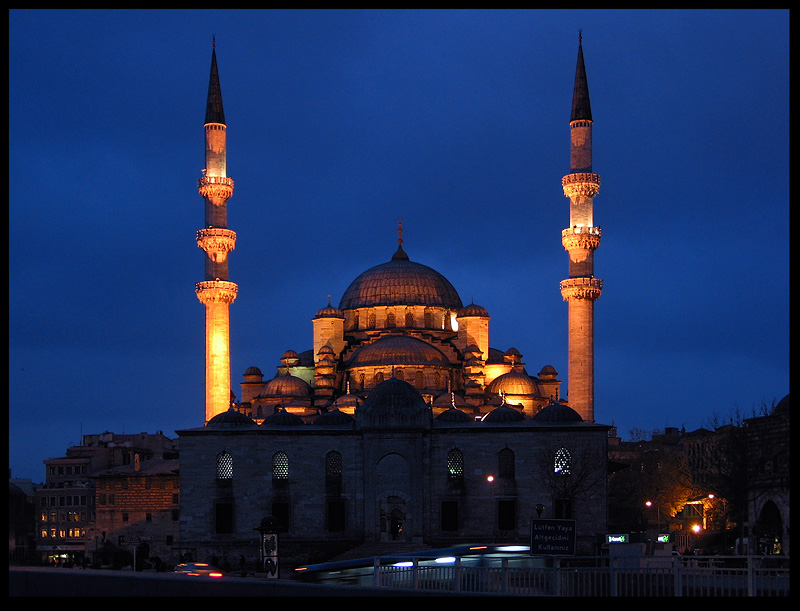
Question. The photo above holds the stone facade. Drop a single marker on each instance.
(425, 482)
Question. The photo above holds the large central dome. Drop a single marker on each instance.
(400, 282)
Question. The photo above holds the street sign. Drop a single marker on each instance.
(132, 539)
(552, 537)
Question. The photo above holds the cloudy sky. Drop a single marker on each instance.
(342, 122)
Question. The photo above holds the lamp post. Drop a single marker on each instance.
(658, 515)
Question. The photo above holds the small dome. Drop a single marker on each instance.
(333, 417)
(326, 349)
(290, 354)
(513, 383)
(503, 414)
(548, 372)
(472, 309)
(349, 400)
(287, 386)
(282, 418)
(557, 413)
(454, 415)
(253, 371)
(329, 311)
(230, 418)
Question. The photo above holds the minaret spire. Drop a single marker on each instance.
(214, 111)
(216, 293)
(580, 240)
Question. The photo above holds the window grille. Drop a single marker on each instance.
(333, 467)
(280, 466)
(455, 464)
(224, 465)
(561, 464)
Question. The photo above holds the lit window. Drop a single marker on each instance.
(280, 466)
(224, 465)
(561, 464)
(455, 464)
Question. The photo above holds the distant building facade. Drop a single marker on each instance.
(66, 503)
(137, 506)
(768, 450)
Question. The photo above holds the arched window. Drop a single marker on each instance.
(390, 319)
(455, 464)
(428, 319)
(224, 465)
(506, 464)
(280, 466)
(333, 468)
(371, 320)
(419, 379)
(409, 319)
(561, 464)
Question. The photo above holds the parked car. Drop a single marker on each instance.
(198, 569)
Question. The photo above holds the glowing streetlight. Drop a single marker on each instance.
(696, 528)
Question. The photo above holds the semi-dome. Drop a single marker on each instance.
(286, 386)
(400, 282)
(393, 402)
(557, 413)
(397, 350)
(513, 383)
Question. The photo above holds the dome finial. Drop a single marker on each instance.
(399, 231)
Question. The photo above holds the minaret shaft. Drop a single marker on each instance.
(216, 293)
(580, 240)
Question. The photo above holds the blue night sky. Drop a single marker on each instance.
(342, 122)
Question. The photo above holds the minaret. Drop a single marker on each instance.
(216, 293)
(580, 240)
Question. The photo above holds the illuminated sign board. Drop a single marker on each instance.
(663, 538)
(617, 538)
(552, 537)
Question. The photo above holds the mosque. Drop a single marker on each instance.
(401, 424)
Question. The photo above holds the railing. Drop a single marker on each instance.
(645, 576)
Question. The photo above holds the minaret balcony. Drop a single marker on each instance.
(580, 238)
(216, 291)
(215, 187)
(583, 184)
(581, 288)
(217, 242)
